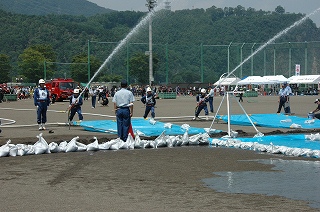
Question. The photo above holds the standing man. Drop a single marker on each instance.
(123, 107)
(94, 93)
(210, 98)
(288, 92)
(283, 98)
(41, 101)
(75, 105)
(150, 101)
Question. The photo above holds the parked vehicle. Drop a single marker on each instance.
(60, 88)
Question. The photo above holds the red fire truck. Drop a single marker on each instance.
(60, 88)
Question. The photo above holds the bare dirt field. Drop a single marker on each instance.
(164, 179)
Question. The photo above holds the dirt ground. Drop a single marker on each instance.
(165, 179)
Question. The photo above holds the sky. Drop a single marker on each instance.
(296, 6)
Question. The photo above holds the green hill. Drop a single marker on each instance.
(45, 7)
(186, 43)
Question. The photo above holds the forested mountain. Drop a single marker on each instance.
(188, 45)
(45, 7)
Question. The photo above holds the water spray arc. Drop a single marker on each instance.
(283, 32)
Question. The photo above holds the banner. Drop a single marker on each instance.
(297, 69)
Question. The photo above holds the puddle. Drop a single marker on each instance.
(294, 179)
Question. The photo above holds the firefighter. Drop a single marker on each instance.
(75, 105)
(41, 101)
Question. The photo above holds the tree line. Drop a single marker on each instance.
(188, 45)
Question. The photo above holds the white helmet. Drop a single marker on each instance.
(148, 89)
(41, 81)
(76, 90)
(203, 90)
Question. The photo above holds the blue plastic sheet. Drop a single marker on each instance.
(144, 126)
(292, 140)
(272, 120)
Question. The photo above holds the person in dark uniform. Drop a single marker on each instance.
(316, 110)
(75, 105)
(41, 101)
(201, 104)
(150, 101)
(123, 107)
(283, 98)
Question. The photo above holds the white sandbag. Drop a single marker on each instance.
(72, 146)
(194, 140)
(169, 141)
(204, 139)
(81, 147)
(160, 141)
(94, 146)
(104, 146)
(54, 147)
(115, 144)
(130, 142)
(178, 140)
(123, 145)
(310, 121)
(5, 149)
(185, 126)
(13, 150)
(295, 126)
(22, 149)
(286, 121)
(168, 125)
(313, 137)
(152, 121)
(185, 139)
(138, 132)
(138, 143)
(41, 146)
(63, 146)
(30, 150)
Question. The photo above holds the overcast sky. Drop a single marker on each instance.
(297, 6)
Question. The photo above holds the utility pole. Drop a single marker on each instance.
(151, 4)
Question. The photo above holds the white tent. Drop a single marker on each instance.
(227, 81)
(275, 79)
(304, 79)
(254, 80)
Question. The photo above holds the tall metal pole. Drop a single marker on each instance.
(150, 4)
(150, 53)
(89, 61)
(252, 59)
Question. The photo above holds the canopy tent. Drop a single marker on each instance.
(254, 80)
(304, 79)
(227, 81)
(275, 79)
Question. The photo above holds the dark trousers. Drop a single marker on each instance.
(282, 101)
(75, 110)
(42, 112)
(211, 104)
(200, 107)
(93, 101)
(148, 109)
(123, 123)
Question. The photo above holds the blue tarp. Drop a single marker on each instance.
(272, 120)
(292, 140)
(144, 126)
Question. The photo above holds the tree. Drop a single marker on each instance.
(79, 68)
(280, 10)
(139, 67)
(4, 68)
(31, 62)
